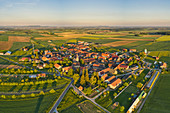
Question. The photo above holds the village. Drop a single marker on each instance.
(95, 73)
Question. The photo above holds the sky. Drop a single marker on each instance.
(85, 12)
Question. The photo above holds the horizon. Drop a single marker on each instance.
(85, 13)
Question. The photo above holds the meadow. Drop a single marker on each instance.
(159, 100)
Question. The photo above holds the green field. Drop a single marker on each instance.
(28, 88)
(164, 38)
(18, 45)
(155, 46)
(69, 100)
(159, 100)
(3, 37)
(32, 105)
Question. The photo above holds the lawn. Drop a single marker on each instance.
(69, 99)
(159, 100)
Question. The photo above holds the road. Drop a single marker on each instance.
(60, 98)
(141, 106)
(92, 100)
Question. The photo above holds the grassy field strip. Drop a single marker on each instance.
(164, 38)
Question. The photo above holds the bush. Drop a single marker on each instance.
(42, 93)
(23, 96)
(52, 91)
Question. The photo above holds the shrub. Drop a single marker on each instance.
(52, 91)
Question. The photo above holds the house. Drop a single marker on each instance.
(125, 67)
(57, 66)
(115, 83)
(1, 53)
(65, 69)
(80, 88)
(45, 58)
(41, 75)
(164, 65)
(40, 66)
(25, 59)
(110, 79)
(102, 72)
(104, 77)
(8, 53)
(132, 50)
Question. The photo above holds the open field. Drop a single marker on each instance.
(164, 38)
(159, 100)
(102, 41)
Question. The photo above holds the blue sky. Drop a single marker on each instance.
(85, 12)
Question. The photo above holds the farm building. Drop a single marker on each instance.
(8, 53)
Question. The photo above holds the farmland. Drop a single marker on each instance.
(159, 101)
(163, 38)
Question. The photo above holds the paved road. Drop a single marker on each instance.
(141, 106)
(60, 98)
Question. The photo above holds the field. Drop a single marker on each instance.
(117, 43)
(6, 45)
(33, 105)
(10, 66)
(163, 38)
(68, 101)
(33, 88)
(88, 107)
(159, 100)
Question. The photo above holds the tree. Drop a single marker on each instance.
(122, 108)
(139, 85)
(32, 95)
(125, 84)
(93, 80)
(70, 72)
(115, 94)
(99, 82)
(134, 76)
(87, 76)
(76, 78)
(13, 96)
(3, 96)
(132, 94)
(82, 80)
(22, 96)
(52, 91)
(42, 93)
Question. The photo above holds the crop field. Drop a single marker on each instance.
(160, 53)
(159, 100)
(10, 66)
(155, 46)
(88, 107)
(117, 43)
(6, 45)
(164, 38)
